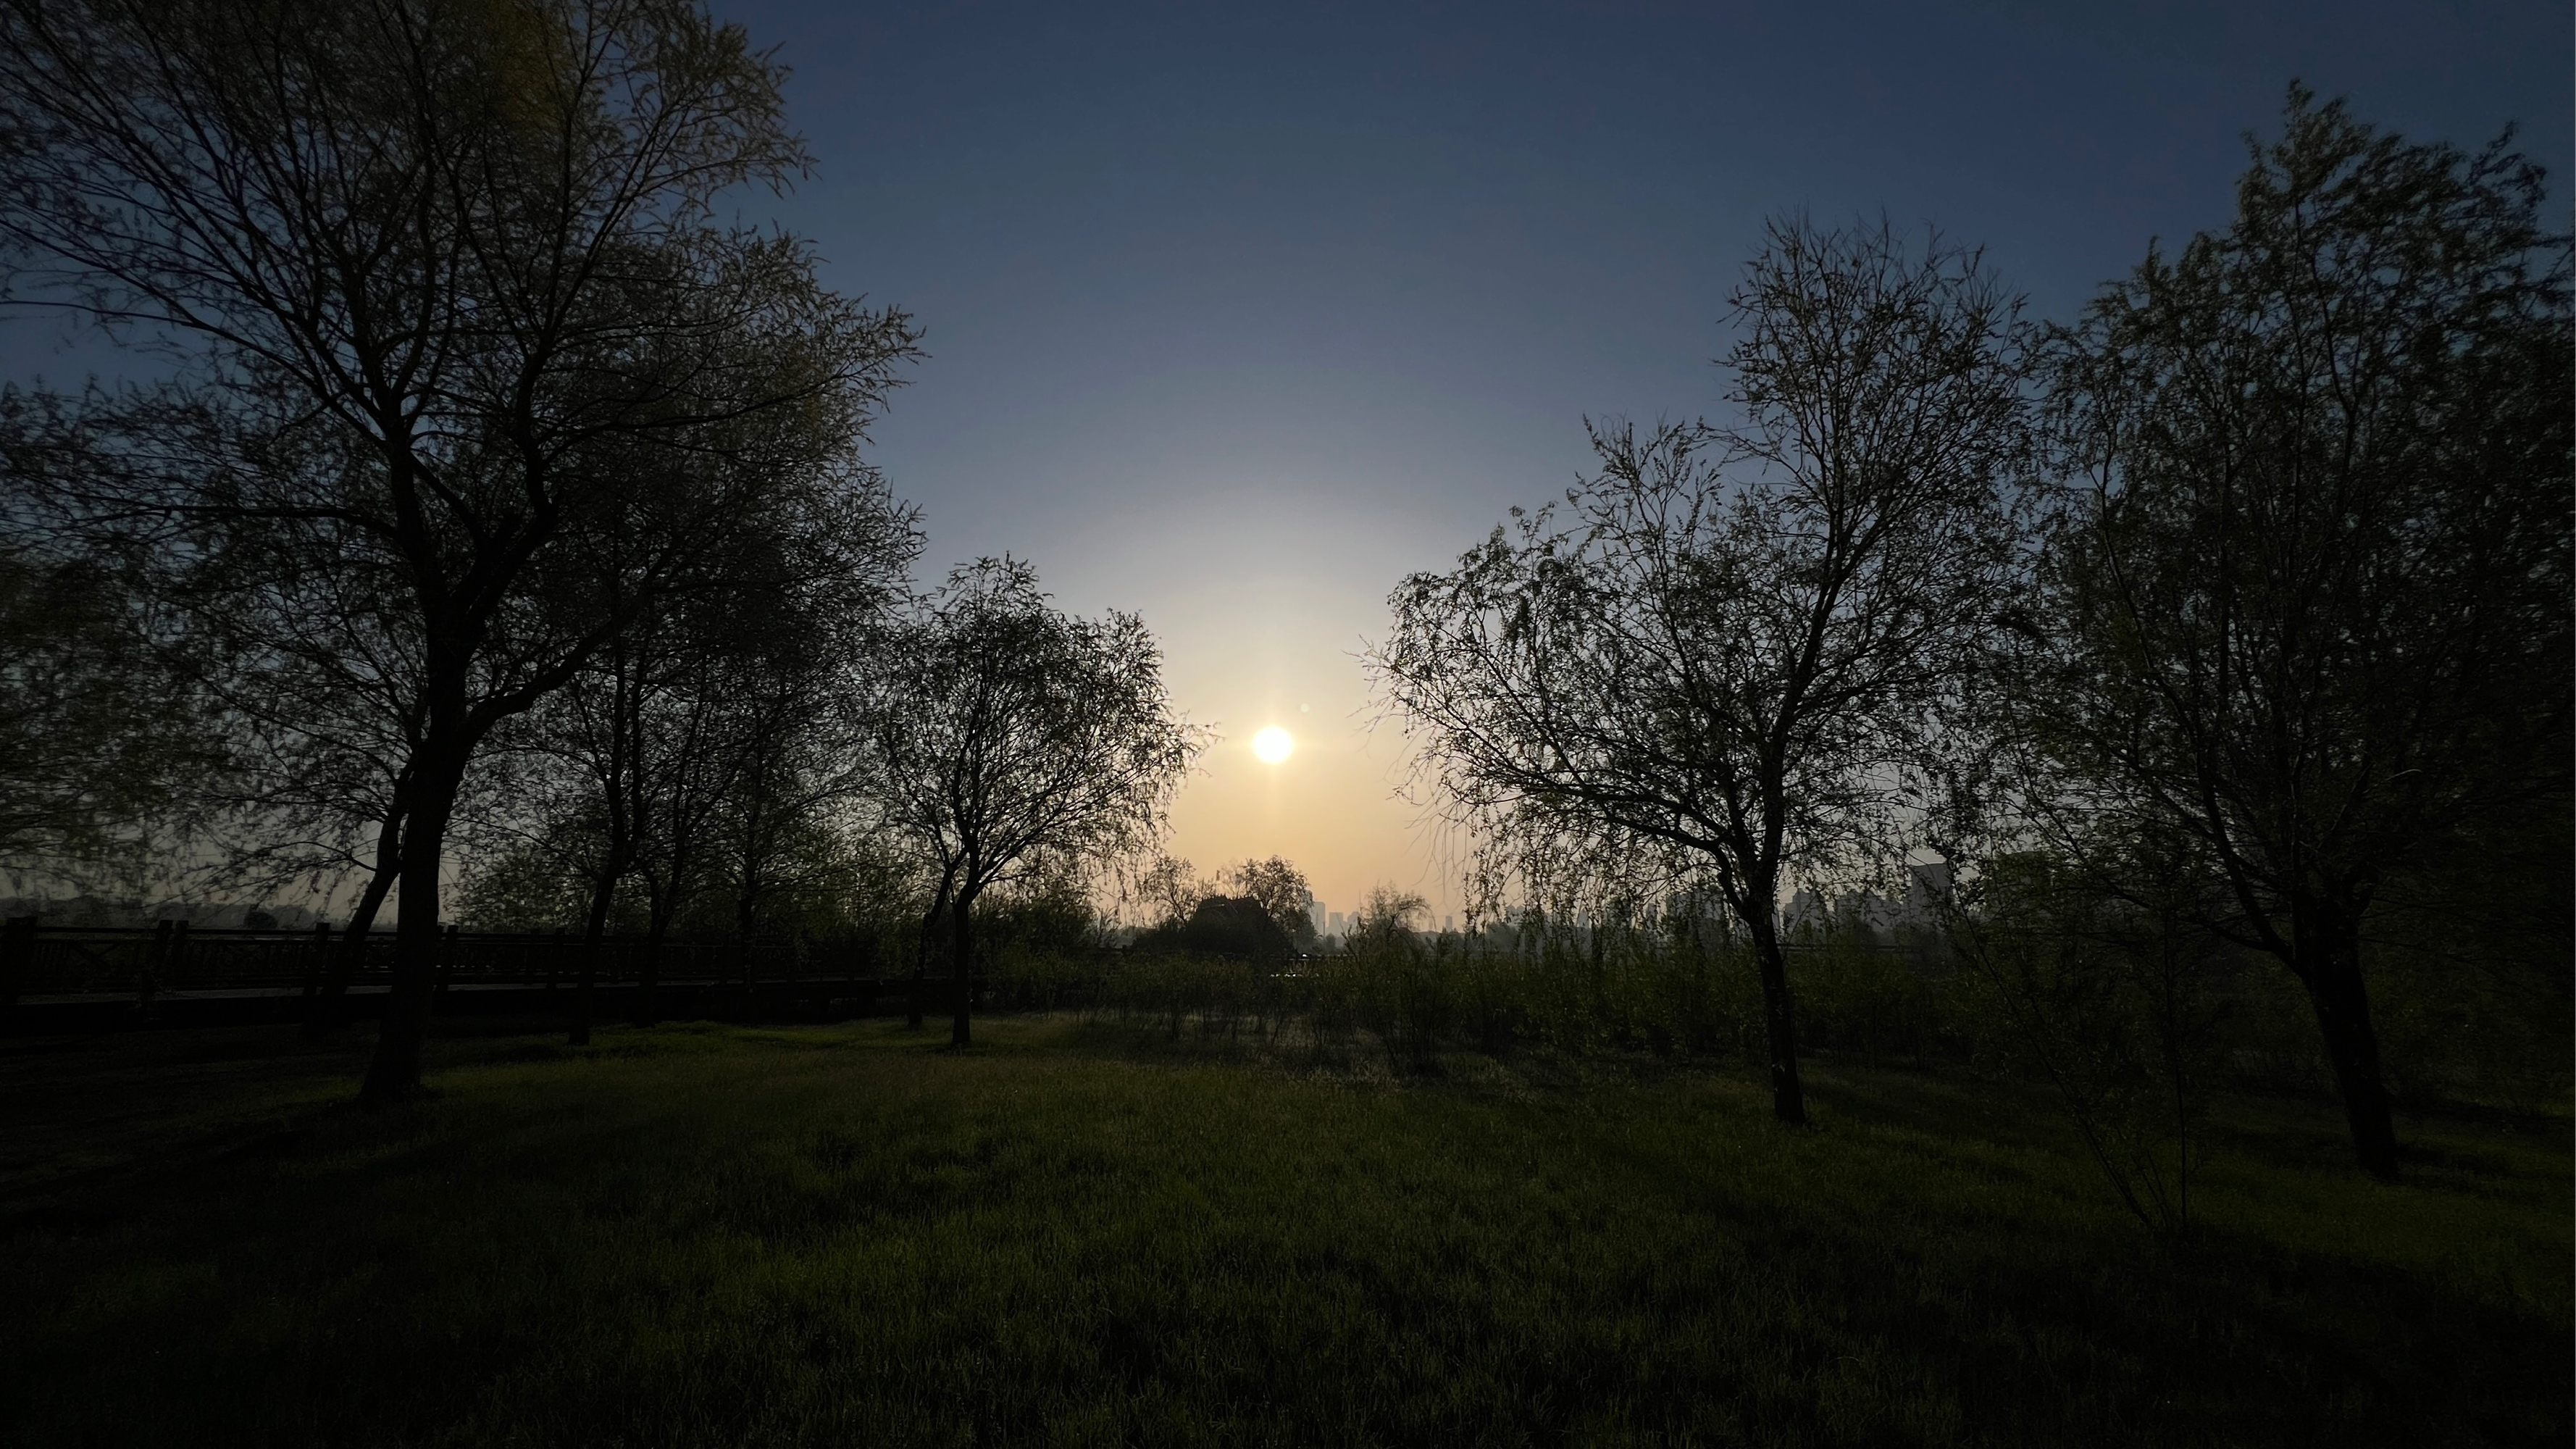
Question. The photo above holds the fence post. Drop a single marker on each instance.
(313, 973)
(850, 980)
(648, 979)
(153, 955)
(446, 958)
(17, 956)
(742, 961)
(578, 1033)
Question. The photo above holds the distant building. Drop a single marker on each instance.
(1337, 925)
(1927, 887)
(1928, 891)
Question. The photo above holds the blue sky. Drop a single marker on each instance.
(1237, 314)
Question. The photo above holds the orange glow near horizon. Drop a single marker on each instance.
(1270, 638)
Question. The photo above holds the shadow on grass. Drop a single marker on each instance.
(701, 1234)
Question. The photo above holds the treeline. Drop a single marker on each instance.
(2136, 1051)
(491, 509)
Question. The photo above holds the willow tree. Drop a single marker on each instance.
(450, 309)
(1723, 650)
(2309, 575)
(1009, 738)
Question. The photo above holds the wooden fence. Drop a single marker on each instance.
(169, 961)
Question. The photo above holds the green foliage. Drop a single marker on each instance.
(1028, 932)
(100, 741)
(2112, 1002)
(2305, 584)
(824, 885)
(2135, 1022)
(2470, 964)
(820, 882)
(834, 1236)
(527, 887)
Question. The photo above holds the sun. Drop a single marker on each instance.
(1273, 745)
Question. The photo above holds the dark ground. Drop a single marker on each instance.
(1076, 1235)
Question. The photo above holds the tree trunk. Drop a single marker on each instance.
(325, 1015)
(962, 910)
(648, 972)
(394, 1073)
(593, 930)
(921, 953)
(742, 911)
(17, 963)
(616, 857)
(1788, 1100)
(2329, 947)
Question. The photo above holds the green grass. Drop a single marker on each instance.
(701, 1235)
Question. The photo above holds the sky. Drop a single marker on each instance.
(1235, 315)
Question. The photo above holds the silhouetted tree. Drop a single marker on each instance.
(1009, 738)
(1042, 918)
(713, 731)
(1401, 985)
(1283, 894)
(1165, 889)
(794, 774)
(1388, 917)
(453, 310)
(2308, 583)
(1733, 661)
(1232, 926)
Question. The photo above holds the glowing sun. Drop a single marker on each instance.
(1273, 745)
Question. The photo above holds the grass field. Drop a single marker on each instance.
(842, 1235)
